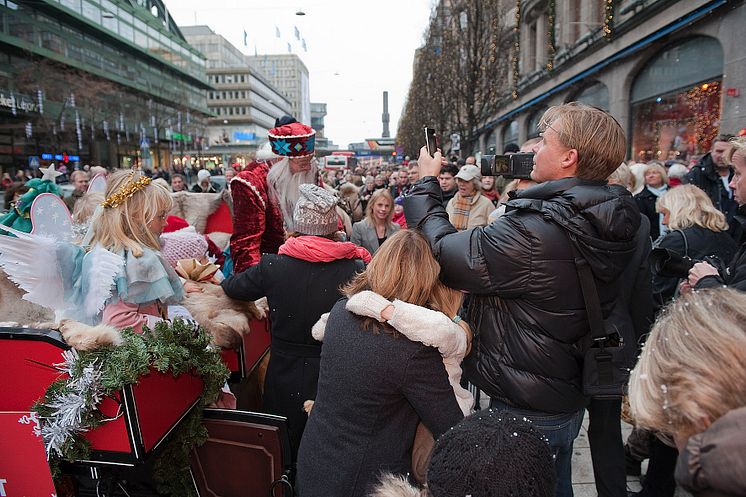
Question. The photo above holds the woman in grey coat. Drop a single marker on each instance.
(375, 385)
(372, 231)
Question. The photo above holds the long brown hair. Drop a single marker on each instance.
(404, 268)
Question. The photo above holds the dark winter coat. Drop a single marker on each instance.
(735, 273)
(646, 202)
(527, 309)
(298, 293)
(713, 463)
(695, 242)
(447, 196)
(705, 175)
(374, 388)
(633, 313)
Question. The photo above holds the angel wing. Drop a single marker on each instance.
(101, 267)
(59, 275)
(31, 263)
(97, 184)
(50, 217)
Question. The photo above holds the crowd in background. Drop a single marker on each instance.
(490, 251)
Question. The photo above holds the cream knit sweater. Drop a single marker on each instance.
(419, 324)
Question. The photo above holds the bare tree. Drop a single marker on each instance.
(461, 73)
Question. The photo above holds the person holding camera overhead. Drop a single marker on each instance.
(522, 271)
(696, 230)
(703, 275)
(468, 208)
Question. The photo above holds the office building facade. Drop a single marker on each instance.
(109, 82)
(243, 103)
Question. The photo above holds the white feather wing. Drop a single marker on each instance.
(101, 282)
(31, 262)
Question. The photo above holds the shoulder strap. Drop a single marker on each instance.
(590, 293)
(686, 242)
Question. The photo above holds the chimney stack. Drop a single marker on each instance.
(386, 133)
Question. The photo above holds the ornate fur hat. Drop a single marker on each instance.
(293, 140)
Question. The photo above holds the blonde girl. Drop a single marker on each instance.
(129, 223)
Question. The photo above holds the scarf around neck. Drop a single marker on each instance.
(657, 191)
(461, 209)
(319, 249)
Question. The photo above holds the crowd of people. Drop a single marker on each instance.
(448, 279)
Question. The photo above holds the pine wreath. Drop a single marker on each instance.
(70, 405)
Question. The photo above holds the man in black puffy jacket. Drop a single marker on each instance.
(527, 307)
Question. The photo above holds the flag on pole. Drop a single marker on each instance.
(245, 38)
(297, 33)
(305, 49)
(290, 50)
(277, 31)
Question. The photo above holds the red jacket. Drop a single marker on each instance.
(257, 221)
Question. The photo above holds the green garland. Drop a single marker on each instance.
(176, 348)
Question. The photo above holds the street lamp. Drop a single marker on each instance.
(300, 12)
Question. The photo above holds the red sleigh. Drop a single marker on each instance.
(257, 444)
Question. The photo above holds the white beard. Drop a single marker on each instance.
(284, 187)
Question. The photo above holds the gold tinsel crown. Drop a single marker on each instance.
(131, 187)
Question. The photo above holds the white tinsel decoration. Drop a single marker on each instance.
(84, 395)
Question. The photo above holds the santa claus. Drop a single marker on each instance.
(266, 191)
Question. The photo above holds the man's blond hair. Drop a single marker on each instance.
(598, 138)
(693, 366)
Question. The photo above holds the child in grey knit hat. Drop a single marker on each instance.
(315, 212)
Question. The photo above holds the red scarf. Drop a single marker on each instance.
(318, 249)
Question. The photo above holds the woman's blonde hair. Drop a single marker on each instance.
(125, 227)
(692, 369)
(622, 175)
(375, 196)
(656, 166)
(736, 145)
(689, 206)
(404, 268)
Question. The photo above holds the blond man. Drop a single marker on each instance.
(520, 270)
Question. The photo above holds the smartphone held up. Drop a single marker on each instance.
(431, 141)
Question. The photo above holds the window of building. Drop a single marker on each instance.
(533, 123)
(675, 101)
(510, 133)
(597, 95)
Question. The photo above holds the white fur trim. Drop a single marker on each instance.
(253, 188)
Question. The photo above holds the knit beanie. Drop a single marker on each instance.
(314, 212)
(183, 244)
(492, 454)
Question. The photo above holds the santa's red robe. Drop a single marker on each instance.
(257, 221)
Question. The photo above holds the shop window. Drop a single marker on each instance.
(685, 64)
(677, 125)
(675, 101)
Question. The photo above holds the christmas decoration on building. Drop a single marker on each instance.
(516, 48)
(608, 27)
(551, 42)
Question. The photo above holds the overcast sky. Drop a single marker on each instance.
(356, 50)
